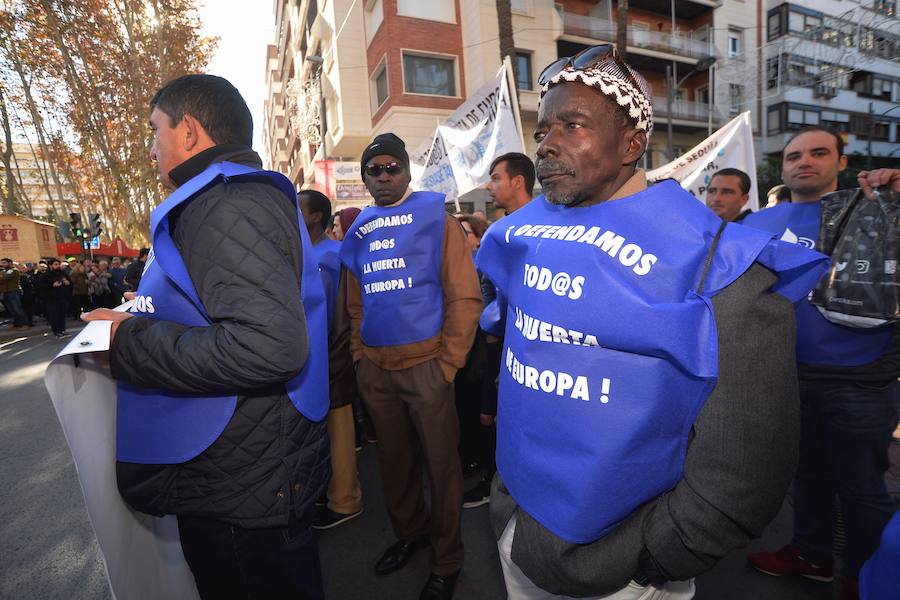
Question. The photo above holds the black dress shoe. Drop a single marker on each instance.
(439, 588)
(395, 557)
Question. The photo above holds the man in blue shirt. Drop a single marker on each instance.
(848, 389)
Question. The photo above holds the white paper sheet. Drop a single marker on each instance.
(142, 554)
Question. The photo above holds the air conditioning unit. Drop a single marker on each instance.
(824, 91)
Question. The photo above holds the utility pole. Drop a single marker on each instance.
(622, 27)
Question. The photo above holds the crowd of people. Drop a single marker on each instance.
(54, 289)
(637, 379)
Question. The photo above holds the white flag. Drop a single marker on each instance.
(459, 156)
(730, 146)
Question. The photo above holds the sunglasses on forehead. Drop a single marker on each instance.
(391, 168)
(589, 57)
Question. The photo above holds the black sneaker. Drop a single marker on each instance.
(477, 496)
(327, 518)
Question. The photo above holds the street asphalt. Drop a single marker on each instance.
(48, 550)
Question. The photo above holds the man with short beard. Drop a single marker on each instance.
(848, 388)
(512, 181)
(640, 436)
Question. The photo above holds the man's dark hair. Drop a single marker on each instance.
(517, 164)
(839, 141)
(782, 193)
(143, 252)
(318, 203)
(478, 225)
(213, 101)
(745, 179)
(6, 260)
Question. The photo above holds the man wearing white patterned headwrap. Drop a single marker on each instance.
(640, 437)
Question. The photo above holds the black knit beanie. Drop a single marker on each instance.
(386, 143)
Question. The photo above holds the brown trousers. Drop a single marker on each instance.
(405, 405)
(344, 493)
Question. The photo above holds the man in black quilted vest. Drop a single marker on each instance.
(244, 499)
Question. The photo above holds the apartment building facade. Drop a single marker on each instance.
(834, 63)
(343, 71)
(34, 185)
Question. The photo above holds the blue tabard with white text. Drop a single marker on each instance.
(395, 254)
(327, 255)
(156, 426)
(609, 349)
(819, 341)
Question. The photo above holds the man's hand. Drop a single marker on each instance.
(486, 420)
(129, 295)
(869, 180)
(106, 314)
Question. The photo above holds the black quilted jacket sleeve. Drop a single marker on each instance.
(240, 245)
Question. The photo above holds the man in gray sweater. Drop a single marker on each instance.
(640, 436)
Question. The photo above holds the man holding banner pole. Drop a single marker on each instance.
(640, 438)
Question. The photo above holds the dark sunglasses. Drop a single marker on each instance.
(588, 57)
(393, 168)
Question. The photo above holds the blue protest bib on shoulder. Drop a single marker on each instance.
(610, 347)
(163, 427)
(819, 341)
(327, 253)
(395, 254)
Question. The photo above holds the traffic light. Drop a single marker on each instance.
(75, 222)
(94, 225)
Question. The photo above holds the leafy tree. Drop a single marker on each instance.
(84, 72)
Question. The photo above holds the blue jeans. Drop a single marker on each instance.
(13, 303)
(845, 431)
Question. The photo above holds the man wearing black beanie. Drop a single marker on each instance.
(414, 303)
(386, 143)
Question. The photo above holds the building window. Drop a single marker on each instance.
(523, 66)
(798, 118)
(803, 23)
(879, 43)
(735, 98)
(373, 17)
(869, 84)
(702, 94)
(432, 11)
(429, 75)
(523, 7)
(777, 22)
(773, 72)
(862, 125)
(773, 120)
(735, 42)
(836, 121)
(380, 88)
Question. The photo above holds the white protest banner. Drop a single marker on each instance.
(142, 554)
(730, 146)
(459, 156)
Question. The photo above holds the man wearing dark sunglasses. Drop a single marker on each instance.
(414, 302)
(640, 437)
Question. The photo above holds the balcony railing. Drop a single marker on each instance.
(601, 29)
(684, 110)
